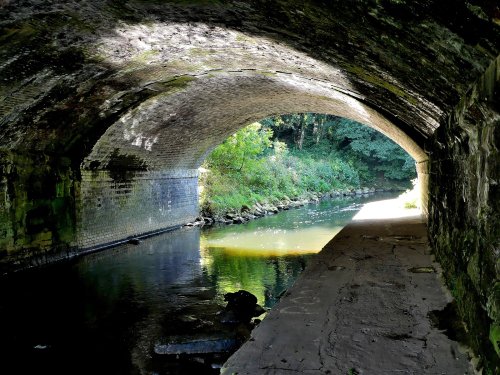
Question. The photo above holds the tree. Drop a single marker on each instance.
(247, 144)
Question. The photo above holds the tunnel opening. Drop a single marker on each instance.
(167, 137)
(296, 157)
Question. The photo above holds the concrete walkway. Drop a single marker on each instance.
(360, 307)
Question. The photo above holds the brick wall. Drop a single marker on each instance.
(111, 210)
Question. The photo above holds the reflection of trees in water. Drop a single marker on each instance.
(264, 277)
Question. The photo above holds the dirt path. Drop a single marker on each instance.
(361, 307)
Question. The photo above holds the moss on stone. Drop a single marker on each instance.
(267, 74)
(495, 337)
(379, 82)
(145, 57)
(177, 84)
(39, 197)
(493, 303)
(245, 39)
(200, 52)
(16, 34)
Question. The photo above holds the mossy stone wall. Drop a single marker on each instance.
(464, 220)
(37, 208)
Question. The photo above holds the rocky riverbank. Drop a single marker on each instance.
(246, 213)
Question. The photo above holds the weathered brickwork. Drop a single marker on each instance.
(112, 210)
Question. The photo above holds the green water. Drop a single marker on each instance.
(266, 255)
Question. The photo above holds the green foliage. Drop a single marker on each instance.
(495, 337)
(243, 147)
(372, 154)
(293, 155)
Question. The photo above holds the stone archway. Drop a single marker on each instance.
(141, 175)
(75, 77)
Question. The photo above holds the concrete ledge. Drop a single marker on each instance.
(360, 307)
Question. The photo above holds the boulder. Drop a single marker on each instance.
(241, 308)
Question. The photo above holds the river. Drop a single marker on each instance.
(105, 312)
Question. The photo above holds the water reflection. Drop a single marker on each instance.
(265, 256)
(105, 312)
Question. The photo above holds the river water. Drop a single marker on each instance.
(105, 312)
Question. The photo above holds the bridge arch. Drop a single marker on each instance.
(92, 92)
(163, 141)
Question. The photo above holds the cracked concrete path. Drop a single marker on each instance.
(360, 307)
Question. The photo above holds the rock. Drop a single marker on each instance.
(238, 220)
(258, 310)
(241, 308)
(259, 213)
(222, 220)
(240, 299)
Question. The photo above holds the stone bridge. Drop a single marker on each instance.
(107, 109)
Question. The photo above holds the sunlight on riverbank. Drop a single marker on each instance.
(386, 209)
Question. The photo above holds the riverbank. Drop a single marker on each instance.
(261, 209)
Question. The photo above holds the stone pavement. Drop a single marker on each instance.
(360, 307)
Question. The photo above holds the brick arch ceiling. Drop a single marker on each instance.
(165, 83)
(178, 130)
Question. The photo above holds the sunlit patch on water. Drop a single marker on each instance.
(272, 242)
